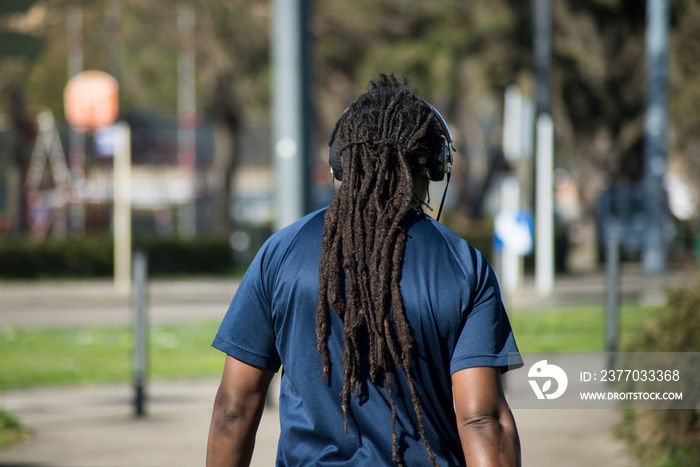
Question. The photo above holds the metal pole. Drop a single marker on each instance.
(112, 26)
(76, 136)
(544, 189)
(140, 304)
(613, 297)
(77, 171)
(544, 220)
(122, 207)
(655, 254)
(186, 100)
(542, 25)
(513, 129)
(613, 291)
(74, 24)
(291, 108)
(510, 261)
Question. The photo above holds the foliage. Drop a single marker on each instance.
(599, 91)
(668, 437)
(460, 55)
(684, 89)
(11, 429)
(93, 256)
(174, 256)
(22, 258)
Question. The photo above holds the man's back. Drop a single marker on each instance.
(452, 304)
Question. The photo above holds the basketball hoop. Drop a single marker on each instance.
(91, 100)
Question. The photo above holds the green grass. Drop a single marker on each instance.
(573, 329)
(43, 357)
(40, 357)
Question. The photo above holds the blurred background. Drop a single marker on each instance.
(577, 174)
(196, 85)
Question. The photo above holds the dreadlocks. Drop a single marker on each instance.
(386, 137)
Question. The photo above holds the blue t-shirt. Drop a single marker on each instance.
(454, 308)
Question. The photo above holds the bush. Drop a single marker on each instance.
(668, 438)
(92, 256)
(201, 256)
(10, 429)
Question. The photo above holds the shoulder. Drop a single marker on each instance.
(470, 258)
(437, 247)
(290, 244)
(304, 235)
(313, 219)
(308, 225)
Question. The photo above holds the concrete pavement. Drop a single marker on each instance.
(94, 425)
(65, 303)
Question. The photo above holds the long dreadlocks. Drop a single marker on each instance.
(386, 137)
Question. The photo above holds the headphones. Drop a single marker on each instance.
(444, 161)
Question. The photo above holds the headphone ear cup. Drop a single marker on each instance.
(437, 168)
(336, 162)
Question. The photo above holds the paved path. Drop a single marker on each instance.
(94, 426)
(96, 303)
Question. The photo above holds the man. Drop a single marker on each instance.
(389, 328)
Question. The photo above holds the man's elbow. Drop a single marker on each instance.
(227, 417)
(233, 413)
(490, 440)
(481, 422)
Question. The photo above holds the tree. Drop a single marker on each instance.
(141, 49)
(460, 55)
(684, 91)
(18, 52)
(599, 91)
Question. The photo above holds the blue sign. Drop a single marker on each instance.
(514, 232)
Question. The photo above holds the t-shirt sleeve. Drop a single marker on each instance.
(485, 337)
(247, 331)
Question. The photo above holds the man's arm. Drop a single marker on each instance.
(486, 425)
(238, 408)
